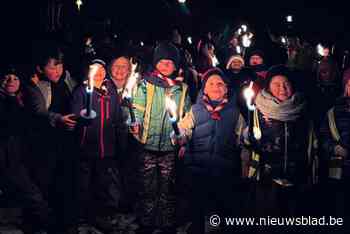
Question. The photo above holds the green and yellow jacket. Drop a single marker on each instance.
(150, 111)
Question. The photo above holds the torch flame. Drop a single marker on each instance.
(238, 49)
(170, 107)
(132, 80)
(320, 49)
(246, 40)
(215, 61)
(248, 94)
(79, 3)
(92, 72)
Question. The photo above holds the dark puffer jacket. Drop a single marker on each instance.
(98, 139)
(213, 147)
(278, 137)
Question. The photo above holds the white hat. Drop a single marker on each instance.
(234, 57)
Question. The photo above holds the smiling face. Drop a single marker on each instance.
(100, 74)
(120, 70)
(236, 65)
(166, 67)
(11, 84)
(215, 88)
(281, 88)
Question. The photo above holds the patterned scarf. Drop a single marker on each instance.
(214, 111)
(167, 80)
(272, 108)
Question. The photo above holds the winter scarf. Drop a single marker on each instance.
(158, 79)
(214, 108)
(272, 108)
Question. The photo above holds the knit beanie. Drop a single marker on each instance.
(166, 51)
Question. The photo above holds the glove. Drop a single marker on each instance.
(178, 140)
(340, 151)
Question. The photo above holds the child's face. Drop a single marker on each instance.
(215, 88)
(100, 74)
(53, 70)
(236, 65)
(120, 70)
(11, 84)
(281, 88)
(166, 67)
(255, 60)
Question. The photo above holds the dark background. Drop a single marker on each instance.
(23, 22)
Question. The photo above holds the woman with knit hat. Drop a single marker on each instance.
(156, 208)
(212, 155)
(280, 139)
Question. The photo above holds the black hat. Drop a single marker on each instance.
(259, 53)
(166, 51)
(214, 71)
(10, 70)
(279, 70)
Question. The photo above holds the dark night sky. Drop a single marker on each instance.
(20, 21)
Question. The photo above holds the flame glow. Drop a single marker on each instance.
(215, 61)
(132, 80)
(283, 40)
(92, 72)
(320, 49)
(246, 40)
(79, 3)
(189, 39)
(238, 49)
(171, 107)
(248, 94)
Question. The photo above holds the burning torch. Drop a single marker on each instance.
(127, 93)
(171, 107)
(320, 50)
(247, 41)
(88, 112)
(248, 94)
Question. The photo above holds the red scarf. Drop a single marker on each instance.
(214, 112)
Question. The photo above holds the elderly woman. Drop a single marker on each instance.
(15, 182)
(212, 157)
(280, 140)
(335, 141)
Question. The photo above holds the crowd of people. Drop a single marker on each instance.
(80, 156)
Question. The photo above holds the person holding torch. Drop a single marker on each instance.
(283, 143)
(156, 207)
(212, 158)
(96, 140)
